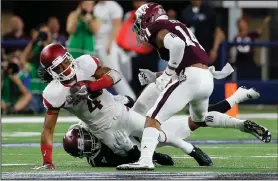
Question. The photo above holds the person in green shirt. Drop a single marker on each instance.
(81, 26)
(15, 96)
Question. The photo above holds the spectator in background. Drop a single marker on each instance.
(31, 56)
(142, 56)
(82, 25)
(54, 27)
(110, 14)
(202, 21)
(15, 96)
(242, 56)
(16, 32)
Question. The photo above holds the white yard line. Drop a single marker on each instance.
(226, 157)
(73, 119)
(26, 134)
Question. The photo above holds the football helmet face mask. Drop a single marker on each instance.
(145, 15)
(79, 142)
(58, 62)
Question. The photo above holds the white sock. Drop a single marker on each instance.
(219, 120)
(233, 100)
(183, 145)
(176, 142)
(148, 143)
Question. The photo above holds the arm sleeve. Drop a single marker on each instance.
(176, 46)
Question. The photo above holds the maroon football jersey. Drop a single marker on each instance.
(193, 52)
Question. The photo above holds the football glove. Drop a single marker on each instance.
(123, 141)
(162, 81)
(146, 76)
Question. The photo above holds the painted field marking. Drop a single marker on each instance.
(73, 119)
(26, 134)
(226, 157)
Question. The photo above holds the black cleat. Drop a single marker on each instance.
(202, 158)
(163, 159)
(257, 130)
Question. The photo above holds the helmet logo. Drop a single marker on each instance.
(141, 10)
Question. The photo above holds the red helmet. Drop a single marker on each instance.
(52, 56)
(79, 142)
(145, 16)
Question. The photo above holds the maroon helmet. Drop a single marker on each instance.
(145, 16)
(79, 142)
(51, 58)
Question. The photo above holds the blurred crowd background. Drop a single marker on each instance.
(103, 29)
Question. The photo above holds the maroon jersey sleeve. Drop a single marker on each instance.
(193, 52)
(154, 28)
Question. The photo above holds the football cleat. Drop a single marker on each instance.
(244, 94)
(45, 166)
(140, 165)
(257, 130)
(202, 158)
(163, 159)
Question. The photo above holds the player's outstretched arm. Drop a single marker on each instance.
(51, 117)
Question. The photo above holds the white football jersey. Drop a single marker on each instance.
(94, 113)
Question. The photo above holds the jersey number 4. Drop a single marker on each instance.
(189, 40)
(96, 104)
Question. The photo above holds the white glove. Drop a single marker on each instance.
(162, 81)
(146, 76)
(123, 141)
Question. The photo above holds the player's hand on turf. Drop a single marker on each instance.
(45, 166)
(123, 141)
(162, 81)
(146, 76)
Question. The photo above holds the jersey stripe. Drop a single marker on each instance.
(96, 60)
(47, 104)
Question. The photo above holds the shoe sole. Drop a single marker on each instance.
(139, 169)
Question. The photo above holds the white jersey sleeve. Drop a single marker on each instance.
(54, 95)
(88, 64)
(116, 11)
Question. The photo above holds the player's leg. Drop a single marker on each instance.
(173, 131)
(242, 94)
(171, 100)
(146, 99)
(220, 120)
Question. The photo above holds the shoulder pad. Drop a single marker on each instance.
(88, 64)
(54, 95)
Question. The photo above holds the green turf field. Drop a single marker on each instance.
(251, 157)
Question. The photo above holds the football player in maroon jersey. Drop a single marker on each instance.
(186, 80)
